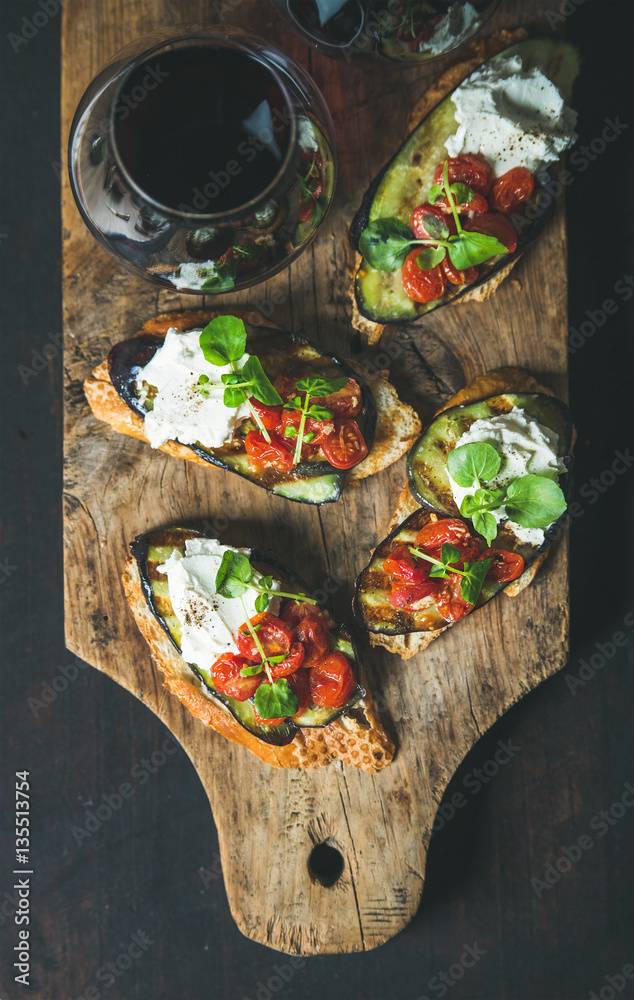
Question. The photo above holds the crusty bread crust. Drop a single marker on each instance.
(357, 738)
(397, 425)
(474, 55)
(491, 383)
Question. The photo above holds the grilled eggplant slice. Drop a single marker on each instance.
(405, 181)
(427, 461)
(371, 603)
(153, 549)
(313, 481)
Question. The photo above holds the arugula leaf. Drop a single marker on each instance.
(471, 583)
(260, 384)
(251, 669)
(437, 228)
(277, 700)
(385, 244)
(430, 257)
(485, 524)
(319, 387)
(534, 501)
(234, 574)
(467, 249)
(470, 463)
(223, 340)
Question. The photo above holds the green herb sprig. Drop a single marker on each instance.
(312, 387)
(223, 342)
(472, 575)
(234, 577)
(530, 501)
(386, 243)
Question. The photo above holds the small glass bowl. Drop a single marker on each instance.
(241, 223)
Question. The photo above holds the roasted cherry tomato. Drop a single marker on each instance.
(450, 602)
(269, 415)
(290, 663)
(346, 402)
(264, 454)
(456, 277)
(405, 566)
(273, 634)
(346, 447)
(447, 529)
(506, 565)
(422, 286)
(468, 168)
(295, 612)
(477, 205)
(301, 684)
(332, 681)
(417, 221)
(320, 429)
(496, 225)
(314, 635)
(404, 595)
(225, 673)
(511, 189)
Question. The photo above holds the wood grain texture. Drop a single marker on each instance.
(436, 705)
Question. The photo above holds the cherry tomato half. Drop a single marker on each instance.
(346, 447)
(320, 429)
(496, 225)
(468, 168)
(290, 663)
(225, 673)
(477, 205)
(505, 566)
(456, 277)
(270, 416)
(301, 684)
(404, 565)
(422, 286)
(314, 635)
(295, 612)
(332, 681)
(273, 634)
(346, 402)
(511, 189)
(447, 529)
(404, 595)
(263, 454)
(417, 221)
(450, 602)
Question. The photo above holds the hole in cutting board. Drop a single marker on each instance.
(325, 863)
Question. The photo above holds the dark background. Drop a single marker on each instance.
(139, 871)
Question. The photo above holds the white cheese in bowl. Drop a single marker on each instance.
(180, 411)
(209, 622)
(512, 116)
(526, 447)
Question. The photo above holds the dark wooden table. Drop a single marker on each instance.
(149, 866)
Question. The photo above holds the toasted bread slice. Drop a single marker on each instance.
(498, 380)
(397, 425)
(473, 56)
(357, 738)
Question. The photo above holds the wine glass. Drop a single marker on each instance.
(204, 162)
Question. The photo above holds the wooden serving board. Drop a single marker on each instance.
(436, 705)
